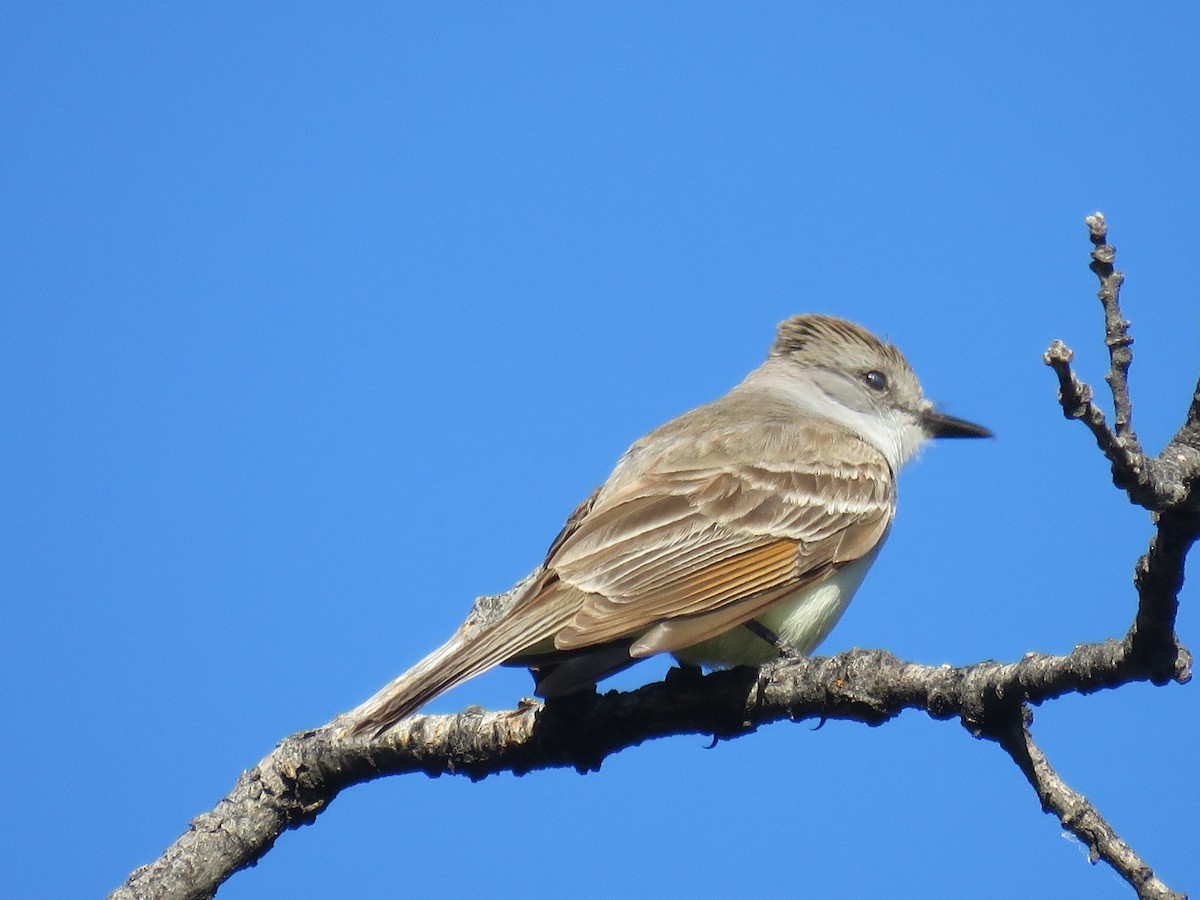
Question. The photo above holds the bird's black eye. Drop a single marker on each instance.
(875, 380)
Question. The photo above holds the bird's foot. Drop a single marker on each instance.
(786, 650)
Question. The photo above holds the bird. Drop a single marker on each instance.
(732, 534)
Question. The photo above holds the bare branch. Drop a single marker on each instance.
(1076, 399)
(1154, 483)
(293, 784)
(1075, 812)
(1116, 330)
(1158, 576)
(1165, 484)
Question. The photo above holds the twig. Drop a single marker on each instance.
(1116, 330)
(1076, 399)
(1075, 812)
(1153, 483)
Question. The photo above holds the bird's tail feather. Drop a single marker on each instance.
(462, 657)
(444, 668)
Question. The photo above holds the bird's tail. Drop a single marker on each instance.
(446, 667)
(471, 651)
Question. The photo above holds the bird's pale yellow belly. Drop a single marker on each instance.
(802, 620)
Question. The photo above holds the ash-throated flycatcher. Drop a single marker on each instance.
(734, 532)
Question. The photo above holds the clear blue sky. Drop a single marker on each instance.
(317, 321)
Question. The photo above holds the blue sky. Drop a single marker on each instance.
(317, 321)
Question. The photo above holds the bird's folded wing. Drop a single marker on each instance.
(705, 534)
(702, 532)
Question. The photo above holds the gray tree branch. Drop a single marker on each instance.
(293, 784)
(1074, 811)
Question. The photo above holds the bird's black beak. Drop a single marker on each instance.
(940, 425)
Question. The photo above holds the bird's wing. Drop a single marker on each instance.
(689, 539)
(716, 528)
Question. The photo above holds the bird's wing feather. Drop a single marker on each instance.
(702, 533)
